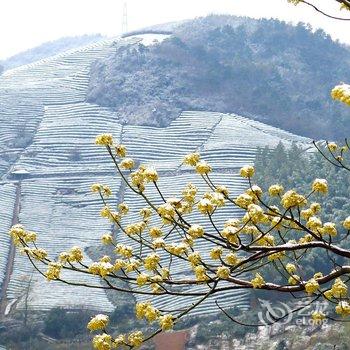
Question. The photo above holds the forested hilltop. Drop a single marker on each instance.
(270, 70)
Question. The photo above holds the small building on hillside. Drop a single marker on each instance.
(19, 173)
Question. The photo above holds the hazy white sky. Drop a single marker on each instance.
(28, 23)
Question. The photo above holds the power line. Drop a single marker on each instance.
(125, 17)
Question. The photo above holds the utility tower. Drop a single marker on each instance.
(125, 18)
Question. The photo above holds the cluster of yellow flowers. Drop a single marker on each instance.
(346, 223)
(53, 271)
(311, 286)
(343, 308)
(98, 322)
(341, 93)
(105, 341)
(36, 253)
(20, 236)
(320, 185)
(151, 314)
(318, 317)
(74, 255)
(338, 290)
(104, 140)
(103, 189)
(258, 281)
(102, 267)
(142, 176)
(247, 171)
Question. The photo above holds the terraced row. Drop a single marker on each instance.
(8, 199)
(235, 140)
(64, 214)
(64, 142)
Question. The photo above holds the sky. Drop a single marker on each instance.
(28, 23)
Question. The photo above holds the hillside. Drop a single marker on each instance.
(266, 69)
(47, 135)
(48, 49)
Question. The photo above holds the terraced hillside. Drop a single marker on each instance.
(47, 151)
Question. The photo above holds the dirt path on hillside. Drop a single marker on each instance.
(12, 252)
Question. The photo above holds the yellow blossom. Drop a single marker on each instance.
(255, 191)
(346, 223)
(151, 175)
(311, 286)
(341, 93)
(196, 231)
(200, 273)
(329, 229)
(76, 254)
(119, 264)
(339, 289)
(223, 272)
(123, 208)
(96, 187)
(232, 222)
(102, 342)
(124, 250)
(315, 207)
(294, 279)
(194, 258)
(291, 268)
(332, 146)
(135, 338)
(101, 268)
(142, 279)
(232, 259)
(216, 253)
(158, 243)
(275, 190)
(146, 213)
(205, 206)
(151, 261)
(107, 238)
(320, 185)
(318, 316)
(307, 213)
(166, 322)
(291, 199)
(104, 140)
(294, 2)
(127, 163)
(223, 190)
(98, 322)
(203, 168)
(166, 211)
(230, 234)
(258, 281)
(343, 308)
(53, 271)
(314, 223)
(106, 190)
(247, 171)
(155, 232)
(243, 200)
(189, 192)
(120, 151)
(192, 159)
